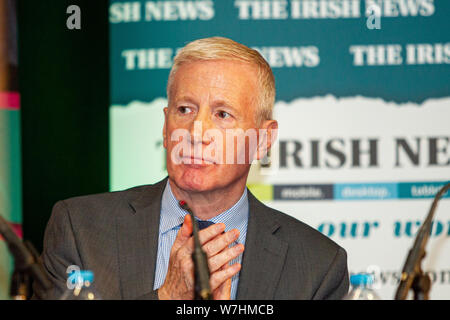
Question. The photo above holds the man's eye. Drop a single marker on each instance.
(223, 114)
(184, 110)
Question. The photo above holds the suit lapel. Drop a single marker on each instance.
(138, 230)
(264, 255)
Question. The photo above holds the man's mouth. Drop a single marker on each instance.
(191, 160)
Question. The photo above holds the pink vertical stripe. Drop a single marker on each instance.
(10, 100)
(17, 228)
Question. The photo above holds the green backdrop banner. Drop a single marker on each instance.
(10, 186)
(363, 105)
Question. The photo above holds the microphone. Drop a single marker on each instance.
(412, 273)
(26, 262)
(201, 269)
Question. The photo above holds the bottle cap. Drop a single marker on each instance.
(82, 276)
(87, 275)
(361, 279)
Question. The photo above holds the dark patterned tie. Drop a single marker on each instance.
(202, 224)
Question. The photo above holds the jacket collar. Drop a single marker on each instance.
(137, 236)
(264, 254)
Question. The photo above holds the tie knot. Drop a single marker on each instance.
(202, 224)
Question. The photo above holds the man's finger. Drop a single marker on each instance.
(183, 234)
(215, 246)
(218, 277)
(224, 257)
(223, 292)
(204, 236)
(211, 232)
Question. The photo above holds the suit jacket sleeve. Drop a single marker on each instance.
(334, 285)
(59, 252)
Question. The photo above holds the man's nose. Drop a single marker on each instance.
(200, 126)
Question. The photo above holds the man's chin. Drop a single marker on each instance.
(194, 180)
(193, 186)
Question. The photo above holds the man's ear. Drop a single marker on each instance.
(166, 112)
(267, 135)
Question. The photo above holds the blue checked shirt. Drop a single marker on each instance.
(172, 216)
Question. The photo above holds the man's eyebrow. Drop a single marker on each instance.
(215, 104)
(223, 103)
(185, 99)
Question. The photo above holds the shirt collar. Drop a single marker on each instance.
(172, 215)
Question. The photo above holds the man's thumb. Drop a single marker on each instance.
(184, 233)
(187, 228)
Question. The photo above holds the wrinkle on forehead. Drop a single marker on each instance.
(227, 80)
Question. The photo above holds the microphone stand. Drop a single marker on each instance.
(412, 273)
(20, 285)
(27, 264)
(201, 269)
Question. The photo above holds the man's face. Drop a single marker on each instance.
(216, 96)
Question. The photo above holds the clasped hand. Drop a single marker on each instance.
(179, 282)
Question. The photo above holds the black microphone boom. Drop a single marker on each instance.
(26, 261)
(412, 273)
(201, 269)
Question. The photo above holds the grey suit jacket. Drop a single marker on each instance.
(115, 235)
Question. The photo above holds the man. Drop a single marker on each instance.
(138, 242)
